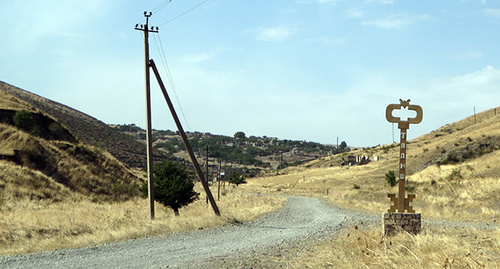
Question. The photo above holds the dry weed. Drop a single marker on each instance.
(30, 227)
(433, 248)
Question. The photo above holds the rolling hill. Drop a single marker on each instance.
(83, 127)
(454, 171)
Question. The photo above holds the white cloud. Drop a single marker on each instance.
(327, 40)
(384, 2)
(486, 79)
(198, 57)
(396, 21)
(469, 55)
(355, 13)
(276, 34)
(453, 99)
(202, 57)
(48, 19)
(494, 12)
(319, 1)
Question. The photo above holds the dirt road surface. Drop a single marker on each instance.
(300, 223)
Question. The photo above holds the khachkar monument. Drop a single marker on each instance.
(394, 221)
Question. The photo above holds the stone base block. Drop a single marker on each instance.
(395, 222)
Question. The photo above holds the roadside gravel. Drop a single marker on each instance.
(300, 223)
(298, 226)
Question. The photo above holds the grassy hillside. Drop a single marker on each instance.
(454, 171)
(83, 127)
(61, 188)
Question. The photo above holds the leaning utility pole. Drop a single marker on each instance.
(149, 140)
(185, 139)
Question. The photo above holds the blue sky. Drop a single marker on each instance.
(308, 70)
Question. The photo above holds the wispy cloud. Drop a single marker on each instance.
(385, 2)
(319, 1)
(354, 13)
(396, 21)
(196, 58)
(276, 34)
(327, 40)
(494, 12)
(489, 77)
(202, 57)
(469, 55)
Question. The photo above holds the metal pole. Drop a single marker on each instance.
(184, 138)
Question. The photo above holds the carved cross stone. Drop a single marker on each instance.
(401, 203)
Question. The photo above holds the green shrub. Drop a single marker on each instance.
(173, 185)
(24, 120)
(391, 178)
(237, 179)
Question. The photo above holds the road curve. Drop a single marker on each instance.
(301, 219)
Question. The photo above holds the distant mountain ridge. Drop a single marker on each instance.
(87, 129)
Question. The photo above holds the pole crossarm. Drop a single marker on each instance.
(145, 27)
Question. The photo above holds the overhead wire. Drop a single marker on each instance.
(163, 58)
(161, 51)
(184, 13)
(158, 8)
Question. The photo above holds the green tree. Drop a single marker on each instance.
(24, 120)
(173, 185)
(237, 179)
(240, 135)
(391, 178)
(343, 146)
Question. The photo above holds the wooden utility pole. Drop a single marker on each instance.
(206, 163)
(149, 139)
(184, 138)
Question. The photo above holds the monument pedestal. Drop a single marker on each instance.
(395, 222)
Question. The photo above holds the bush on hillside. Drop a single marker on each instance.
(173, 185)
(391, 178)
(24, 120)
(237, 179)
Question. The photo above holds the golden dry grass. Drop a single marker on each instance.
(26, 226)
(465, 191)
(433, 248)
(8, 101)
(469, 190)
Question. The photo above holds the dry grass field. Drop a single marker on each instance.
(465, 189)
(33, 226)
(59, 194)
(454, 171)
(433, 248)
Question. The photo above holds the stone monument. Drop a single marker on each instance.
(395, 221)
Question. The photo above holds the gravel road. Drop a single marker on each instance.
(300, 223)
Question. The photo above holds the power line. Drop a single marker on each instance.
(184, 13)
(158, 8)
(161, 51)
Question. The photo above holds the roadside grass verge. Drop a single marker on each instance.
(433, 248)
(27, 226)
